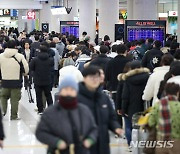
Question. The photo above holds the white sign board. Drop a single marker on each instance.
(173, 14)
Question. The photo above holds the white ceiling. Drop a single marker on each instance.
(160, 1)
(167, 1)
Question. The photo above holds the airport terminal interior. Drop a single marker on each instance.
(89, 76)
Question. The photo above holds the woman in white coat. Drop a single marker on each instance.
(152, 86)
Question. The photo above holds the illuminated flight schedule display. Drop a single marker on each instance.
(143, 29)
(72, 27)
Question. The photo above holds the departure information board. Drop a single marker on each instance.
(143, 29)
(72, 27)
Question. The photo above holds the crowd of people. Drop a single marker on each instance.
(100, 84)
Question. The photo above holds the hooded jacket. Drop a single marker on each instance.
(56, 59)
(101, 61)
(10, 68)
(153, 84)
(104, 114)
(114, 67)
(134, 84)
(154, 53)
(42, 66)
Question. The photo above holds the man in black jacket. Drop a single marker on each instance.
(35, 46)
(102, 59)
(115, 67)
(42, 65)
(152, 58)
(100, 105)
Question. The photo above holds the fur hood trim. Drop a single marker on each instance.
(124, 76)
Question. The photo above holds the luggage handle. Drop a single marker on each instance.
(147, 104)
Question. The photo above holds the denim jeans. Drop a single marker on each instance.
(128, 129)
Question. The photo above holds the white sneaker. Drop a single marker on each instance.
(40, 113)
(130, 149)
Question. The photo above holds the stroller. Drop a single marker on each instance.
(28, 88)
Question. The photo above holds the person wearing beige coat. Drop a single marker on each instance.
(13, 66)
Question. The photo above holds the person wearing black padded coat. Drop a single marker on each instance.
(134, 83)
(91, 95)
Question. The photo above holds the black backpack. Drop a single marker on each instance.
(136, 54)
(155, 61)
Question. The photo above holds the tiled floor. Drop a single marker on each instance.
(20, 137)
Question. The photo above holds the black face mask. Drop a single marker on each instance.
(68, 102)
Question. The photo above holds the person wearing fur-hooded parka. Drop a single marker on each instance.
(134, 83)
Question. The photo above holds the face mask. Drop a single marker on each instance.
(68, 102)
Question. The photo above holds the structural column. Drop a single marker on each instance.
(23, 23)
(130, 9)
(87, 17)
(178, 34)
(46, 15)
(108, 17)
(145, 9)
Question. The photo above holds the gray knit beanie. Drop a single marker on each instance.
(69, 81)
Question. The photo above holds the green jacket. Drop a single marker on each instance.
(175, 118)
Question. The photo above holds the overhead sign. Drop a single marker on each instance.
(45, 27)
(31, 15)
(172, 13)
(75, 23)
(163, 15)
(57, 10)
(24, 17)
(145, 23)
(124, 14)
(5, 12)
(14, 13)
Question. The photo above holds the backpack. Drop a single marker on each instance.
(136, 54)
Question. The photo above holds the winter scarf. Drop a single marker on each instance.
(165, 118)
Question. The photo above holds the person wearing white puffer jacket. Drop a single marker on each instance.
(175, 79)
(72, 70)
(153, 84)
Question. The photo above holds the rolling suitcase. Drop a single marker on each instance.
(138, 133)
